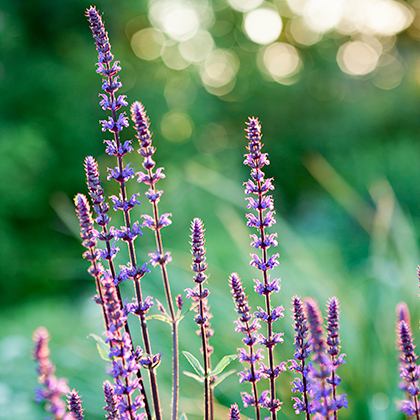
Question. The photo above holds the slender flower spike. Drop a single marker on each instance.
(74, 404)
(111, 402)
(234, 413)
(333, 344)
(53, 389)
(302, 352)
(409, 371)
(262, 203)
(199, 296)
(403, 313)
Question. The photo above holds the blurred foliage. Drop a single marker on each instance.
(344, 155)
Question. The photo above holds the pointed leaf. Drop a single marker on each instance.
(222, 364)
(220, 378)
(186, 312)
(194, 363)
(183, 417)
(102, 347)
(160, 318)
(194, 376)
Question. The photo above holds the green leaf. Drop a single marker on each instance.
(222, 377)
(222, 364)
(194, 376)
(185, 313)
(160, 318)
(102, 347)
(194, 363)
(183, 417)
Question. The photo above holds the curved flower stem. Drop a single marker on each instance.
(169, 300)
(137, 287)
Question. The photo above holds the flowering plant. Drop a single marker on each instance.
(127, 396)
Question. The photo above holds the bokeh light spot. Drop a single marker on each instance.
(323, 15)
(147, 43)
(380, 401)
(219, 71)
(197, 48)
(357, 58)
(244, 5)
(301, 33)
(385, 17)
(178, 19)
(172, 57)
(176, 127)
(263, 25)
(281, 61)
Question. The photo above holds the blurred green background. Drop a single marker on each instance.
(336, 85)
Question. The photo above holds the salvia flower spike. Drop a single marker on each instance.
(333, 349)
(262, 203)
(248, 325)
(74, 404)
(299, 364)
(52, 388)
(199, 297)
(409, 371)
(108, 69)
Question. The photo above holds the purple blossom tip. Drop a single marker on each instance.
(74, 404)
(234, 412)
(403, 313)
(332, 327)
(179, 302)
(141, 125)
(198, 250)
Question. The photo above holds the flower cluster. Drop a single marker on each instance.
(126, 395)
(262, 203)
(124, 358)
(53, 388)
(248, 325)
(409, 370)
(321, 377)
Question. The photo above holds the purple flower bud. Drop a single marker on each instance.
(74, 404)
(179, 302)
(121, 176)
(52, 388)
(141, 121)
(234, 412)
(403, 313)
(157, 259)
(111, 402)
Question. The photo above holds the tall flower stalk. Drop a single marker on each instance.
(52, 388)
(333, 349)
(409, 371)
(156, 223)
(263, 204)
(299, 364)
(109, 69)
(199, 295)
(248, 325)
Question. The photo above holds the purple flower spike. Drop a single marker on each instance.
(111, 402)
(74, 404)
(403, 313)
(315, 326)
(141, 121)
(234, 412)
(409, 371)
(53, 388)
(198, 251)
(333, 343)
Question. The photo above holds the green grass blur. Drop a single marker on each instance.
(344, 155)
